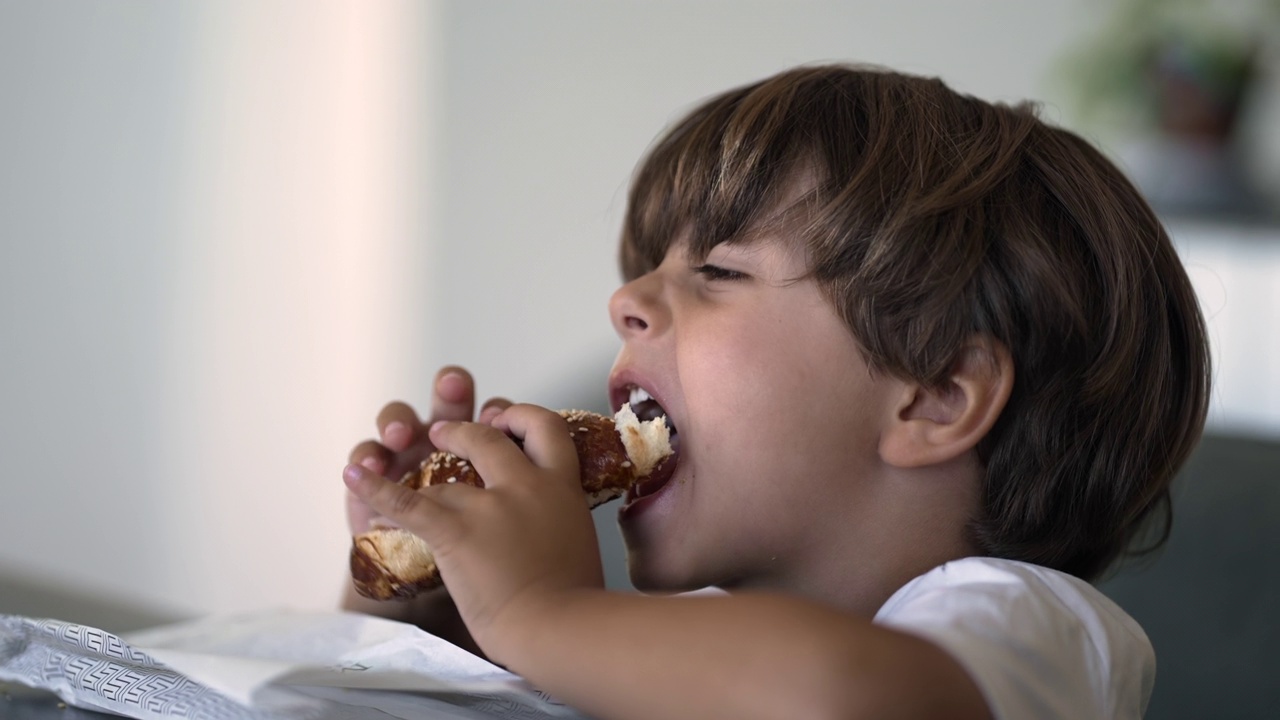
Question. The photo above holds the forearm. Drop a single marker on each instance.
(627, 656)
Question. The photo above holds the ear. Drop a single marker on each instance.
(932, 425)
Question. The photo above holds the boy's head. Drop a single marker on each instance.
(928, 219)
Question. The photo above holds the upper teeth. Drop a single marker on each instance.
(639, 395)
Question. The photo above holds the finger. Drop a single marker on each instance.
(411, 510)
(360, 516)
(453, 395)
(544, 433)
(491, 409)
(371, 454)
(493, 455)
(398, 426)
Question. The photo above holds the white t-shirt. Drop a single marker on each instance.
(1039, 643)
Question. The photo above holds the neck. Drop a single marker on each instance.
(920, 521)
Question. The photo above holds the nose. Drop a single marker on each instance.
(636, 308)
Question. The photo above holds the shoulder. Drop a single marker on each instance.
(1038, 642)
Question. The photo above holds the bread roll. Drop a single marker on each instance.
(388, 562)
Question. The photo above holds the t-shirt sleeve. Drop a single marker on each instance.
(1038, 643)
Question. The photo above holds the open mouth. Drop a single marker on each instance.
(646, 408)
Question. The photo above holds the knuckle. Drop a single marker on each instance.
(488, 438)
(552, 419)
(403, 501)
(542, 420)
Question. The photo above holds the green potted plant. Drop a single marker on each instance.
(1175, 75)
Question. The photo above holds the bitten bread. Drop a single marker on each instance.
(613, 454)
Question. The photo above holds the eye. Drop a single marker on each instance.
(715, 272)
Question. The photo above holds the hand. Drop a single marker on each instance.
(508, 549)
(403, 443)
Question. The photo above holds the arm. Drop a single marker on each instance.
(521, 560)
(745, 656)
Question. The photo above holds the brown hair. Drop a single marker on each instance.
(931, 216)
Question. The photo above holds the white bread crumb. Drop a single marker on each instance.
(648, 443)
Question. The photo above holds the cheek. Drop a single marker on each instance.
(725, 368)
(749, 385)
(782, 392)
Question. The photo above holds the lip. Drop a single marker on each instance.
(620, 384)
(634, 506)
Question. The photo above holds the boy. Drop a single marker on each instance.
(930, 365)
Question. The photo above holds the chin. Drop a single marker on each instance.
(649, 576)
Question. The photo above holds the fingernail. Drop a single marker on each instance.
(396, 433)
(353, 474)
(451, 386)
(372, 463)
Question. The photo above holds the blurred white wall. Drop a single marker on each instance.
(230, 230)
(212, 233)
(545, 108)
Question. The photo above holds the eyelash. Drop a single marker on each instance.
(715, 272)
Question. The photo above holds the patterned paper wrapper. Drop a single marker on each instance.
(272, 665)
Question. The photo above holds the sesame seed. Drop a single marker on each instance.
(453, 479)
(626, 463)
